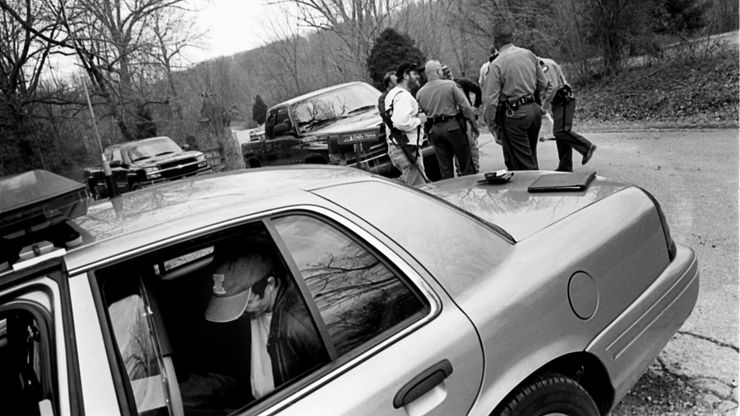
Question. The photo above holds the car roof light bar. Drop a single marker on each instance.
(39, 196)
(37, 206)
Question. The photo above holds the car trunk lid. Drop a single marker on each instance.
(511, 207)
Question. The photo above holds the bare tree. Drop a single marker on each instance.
(284, 41)
(114, 41)
(615, 26)
(29, 35)
(533, 20)
(173, 31)
(356, 22)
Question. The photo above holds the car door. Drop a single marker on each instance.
(426, 361)
(38, 362)
(283, 149)
(389, 344)
(168, 356)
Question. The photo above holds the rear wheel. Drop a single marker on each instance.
(549, 395)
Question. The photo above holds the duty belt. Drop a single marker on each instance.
(440, 119)
(513, 105)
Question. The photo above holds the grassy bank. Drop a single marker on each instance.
(695, 90)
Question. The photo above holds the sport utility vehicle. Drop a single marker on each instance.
(145, 162)
(338, 125)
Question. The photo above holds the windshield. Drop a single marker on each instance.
(335, 104)
(150, 148)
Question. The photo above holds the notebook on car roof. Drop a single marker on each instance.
(563, 182)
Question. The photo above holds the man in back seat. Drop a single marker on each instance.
(284, 341)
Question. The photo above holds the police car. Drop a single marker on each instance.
(489, 299)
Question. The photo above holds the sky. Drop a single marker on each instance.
(230, 26)
(233, 25)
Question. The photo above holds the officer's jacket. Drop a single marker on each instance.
(556, 79)
(514, 74)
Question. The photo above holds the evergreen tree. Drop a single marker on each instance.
(259, 110)
(390, 50)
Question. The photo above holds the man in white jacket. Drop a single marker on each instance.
(403, 109)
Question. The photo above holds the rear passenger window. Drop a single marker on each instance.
(210, 327)
(358, 295)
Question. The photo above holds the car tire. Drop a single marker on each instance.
(549, 394)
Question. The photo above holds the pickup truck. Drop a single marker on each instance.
(337, 125)
(144, 162)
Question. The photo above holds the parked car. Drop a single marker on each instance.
(486, 300)
(145, 162)
(337, 125)
(257, 133)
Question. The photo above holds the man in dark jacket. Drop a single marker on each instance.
(284, 340)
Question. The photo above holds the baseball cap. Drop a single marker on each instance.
(233, 278)
(406, 68)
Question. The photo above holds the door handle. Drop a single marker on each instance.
(422, 383)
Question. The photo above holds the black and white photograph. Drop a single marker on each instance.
(369, 207)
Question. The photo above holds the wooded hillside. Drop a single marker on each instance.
(129, 58)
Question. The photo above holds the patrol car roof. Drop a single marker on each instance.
(137, 218)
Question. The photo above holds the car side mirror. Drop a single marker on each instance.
(281, 129)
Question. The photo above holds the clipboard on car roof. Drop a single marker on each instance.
(563, 182)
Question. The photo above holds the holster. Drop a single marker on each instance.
(563, 95)
(462, 121)
(428, 126)
(500, 113)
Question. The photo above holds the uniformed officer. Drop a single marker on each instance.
(467, 86)
(509, 105)
(563, 105)
(447, 110)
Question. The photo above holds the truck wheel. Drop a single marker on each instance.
(549, 394)
(254, 163)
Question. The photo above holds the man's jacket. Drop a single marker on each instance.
(294, 344)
